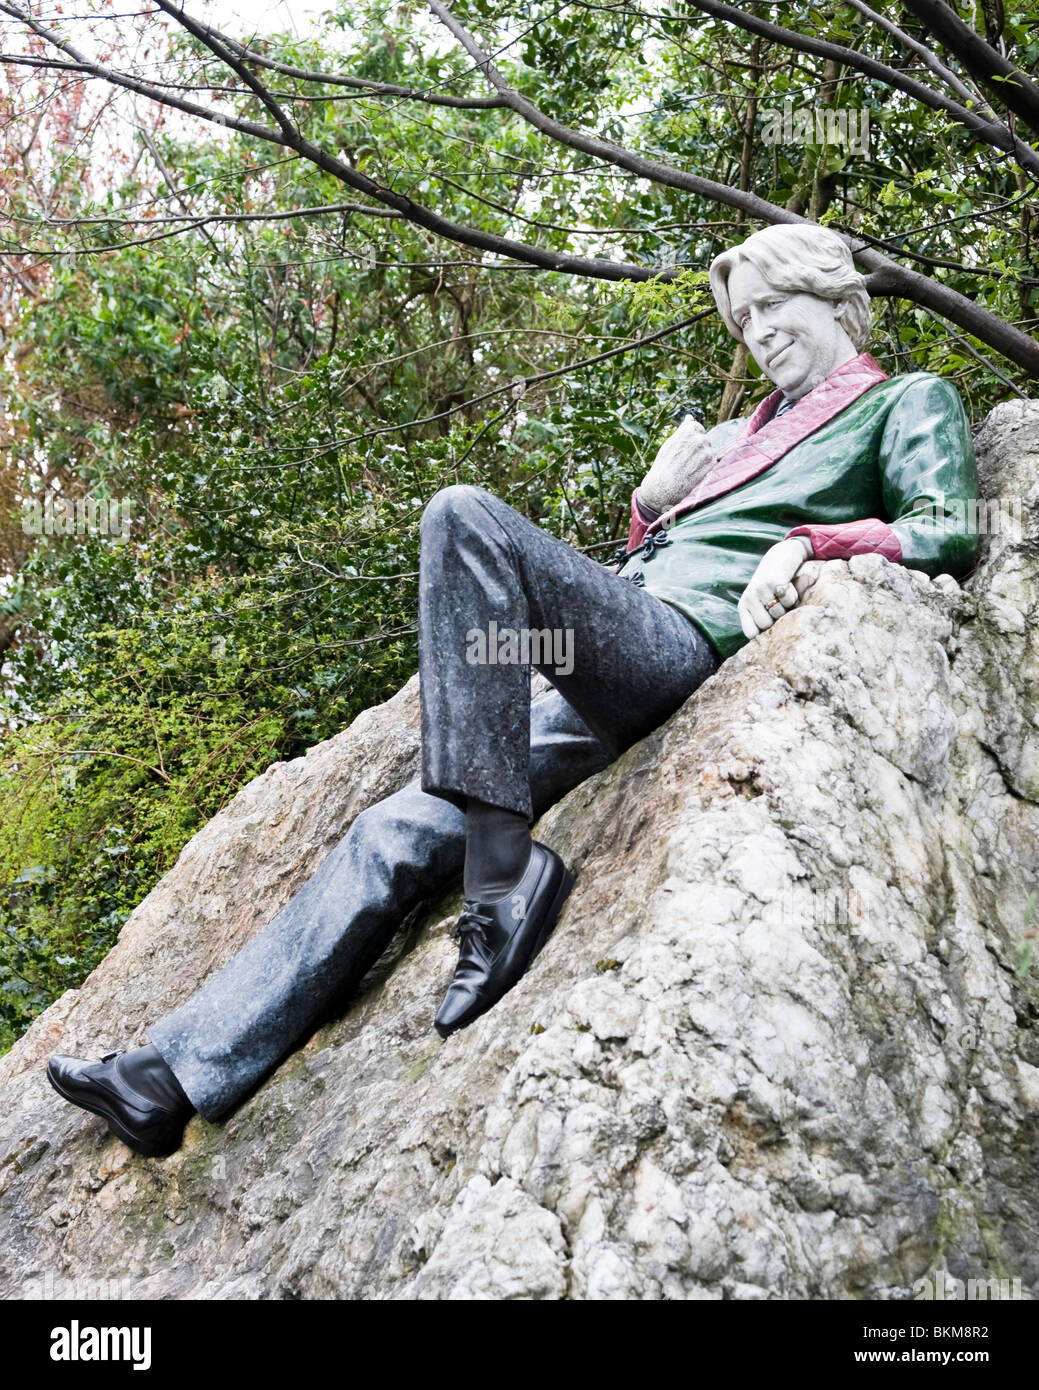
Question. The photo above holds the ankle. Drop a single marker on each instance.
(497, 850)
(148, 1072)
(500, 887)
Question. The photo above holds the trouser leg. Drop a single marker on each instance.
(399, 852)
(486, 570)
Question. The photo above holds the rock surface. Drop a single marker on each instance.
(779, 1046)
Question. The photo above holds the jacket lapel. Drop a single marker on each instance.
(764, 439)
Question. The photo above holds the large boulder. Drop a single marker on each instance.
(782, 1044)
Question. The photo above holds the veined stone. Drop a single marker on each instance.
(779, 1045)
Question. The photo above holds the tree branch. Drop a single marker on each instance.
(521, 384)
(197, 217)
(991, 133)
(888, 278)
(1016, 91)
(360, 84)
(205, 35)
(156, 92)
(929, 59)
(561, 262)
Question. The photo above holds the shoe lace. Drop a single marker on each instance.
(471, 922)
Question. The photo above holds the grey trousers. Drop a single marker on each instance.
(634, 661)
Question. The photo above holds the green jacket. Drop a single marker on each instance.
(864, 463)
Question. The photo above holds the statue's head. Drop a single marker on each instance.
(793, 295)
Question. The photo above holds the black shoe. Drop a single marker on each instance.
(501, 938)
(136, 1092)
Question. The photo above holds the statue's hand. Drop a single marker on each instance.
(773, 589)
(679, 461)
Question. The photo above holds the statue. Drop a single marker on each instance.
(839, 460)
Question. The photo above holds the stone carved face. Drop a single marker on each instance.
(797, 339)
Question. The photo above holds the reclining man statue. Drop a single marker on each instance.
(839, 460)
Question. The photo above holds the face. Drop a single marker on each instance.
(796, 339)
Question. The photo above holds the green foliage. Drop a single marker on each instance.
(97, 798)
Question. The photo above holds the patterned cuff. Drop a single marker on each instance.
(840, 542)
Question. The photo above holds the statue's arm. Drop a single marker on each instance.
(930, 479)
(928, 474)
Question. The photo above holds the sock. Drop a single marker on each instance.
(497, 850)
(147, 1072)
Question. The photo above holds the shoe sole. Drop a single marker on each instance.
(138, 1146)
(566, 884)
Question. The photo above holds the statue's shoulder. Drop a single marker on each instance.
(917, 384)
(910, 400)
(910, 395)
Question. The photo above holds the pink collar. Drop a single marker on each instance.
(765, 438)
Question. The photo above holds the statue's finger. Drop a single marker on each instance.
(758, 613)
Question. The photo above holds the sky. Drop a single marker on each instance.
(268, 16)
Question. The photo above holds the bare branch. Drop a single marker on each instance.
(887, 278)
(969, 348)
(32, 61)
(199, 217)
(205, 35)
(360, 84)
(101, 249)
(167, 175)
(561, 262)
(155, 91)
(517, 385)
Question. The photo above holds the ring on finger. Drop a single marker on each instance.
(776, 611)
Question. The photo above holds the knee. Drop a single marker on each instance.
(460, 504)
(409, 833)
(378, 827)
(391, 827)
